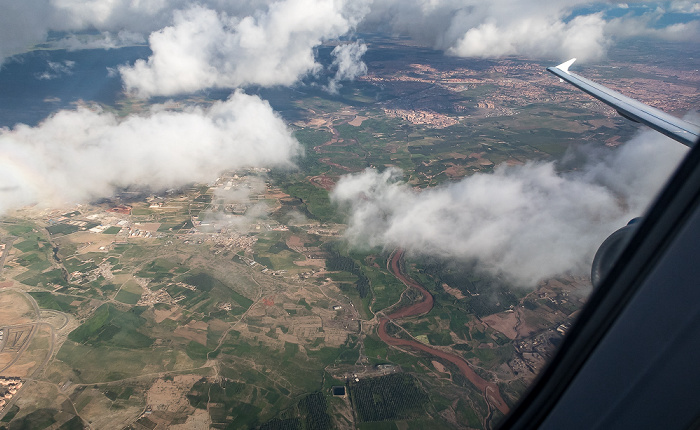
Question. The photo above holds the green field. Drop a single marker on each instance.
(57, 302)
(272, 357)
(112, 327)
(208, 283)
(106, 363)
(387, 398)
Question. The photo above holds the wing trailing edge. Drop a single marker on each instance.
(675, 128)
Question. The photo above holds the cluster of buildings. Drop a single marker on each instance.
(233, 241)
(423, 117)
(9, 386)
(534, 352)
(140, 233)
(227, 306)
(150, 298)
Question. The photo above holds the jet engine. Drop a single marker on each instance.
(609, 250)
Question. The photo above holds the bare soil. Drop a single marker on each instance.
(357, 121)
(505, 322)
(170, 395)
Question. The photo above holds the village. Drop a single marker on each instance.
(9, 386)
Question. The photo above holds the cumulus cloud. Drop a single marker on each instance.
(205, 48)
(347, 59)
(497, 28)
(505, 27)
(22, 24)
(538, 36)
(25, 23)
(57, 69)
(105, 40)
(141, 15)
(271, 42)
(82, 154)
(685, 6)
(525, 223)
(233, 206)
(645, 25)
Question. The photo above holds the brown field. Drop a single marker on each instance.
(199, 420)
(161, 315)
(335, 337)
(455, 171)
(311, 262)
(357, 121)
(453, 291)
(170, 395)
(15, 309)
(99, 410)
(30, 351)
(534, 321)
(218, 326)
(5, 358)
(147, 226)
(87, 241)
(194, 330)
(318, 122)
(323, 181)
(301, 326)
(37, 395)
(21, 370)
(505, 322)
(457, 155)
(439, 367)
(294, 241)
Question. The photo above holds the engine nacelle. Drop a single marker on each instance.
(609, 250)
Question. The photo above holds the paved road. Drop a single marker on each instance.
(8, 246)
(49, 354)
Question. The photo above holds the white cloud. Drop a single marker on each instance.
(79, 155)
(685, 6)
(22, 24)
(104, 40)
(630, 26)
(496, 28)
(56, 69)
(347, 59)
(525, 223)
(233, 208)
(205, 48)
(112, 15)
(535, 36)
(271, 42)
(26, 23)
(530, 28)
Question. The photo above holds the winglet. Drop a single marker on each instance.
(564, 67)
(675, 128)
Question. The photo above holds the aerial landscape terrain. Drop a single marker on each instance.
(405, 248)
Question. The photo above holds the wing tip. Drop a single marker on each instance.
(564, 67)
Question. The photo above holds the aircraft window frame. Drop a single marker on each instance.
(659, 227)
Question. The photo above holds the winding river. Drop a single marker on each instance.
(488, 389)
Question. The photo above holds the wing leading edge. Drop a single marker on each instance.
(675, 128)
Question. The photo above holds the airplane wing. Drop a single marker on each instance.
(675, 128)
